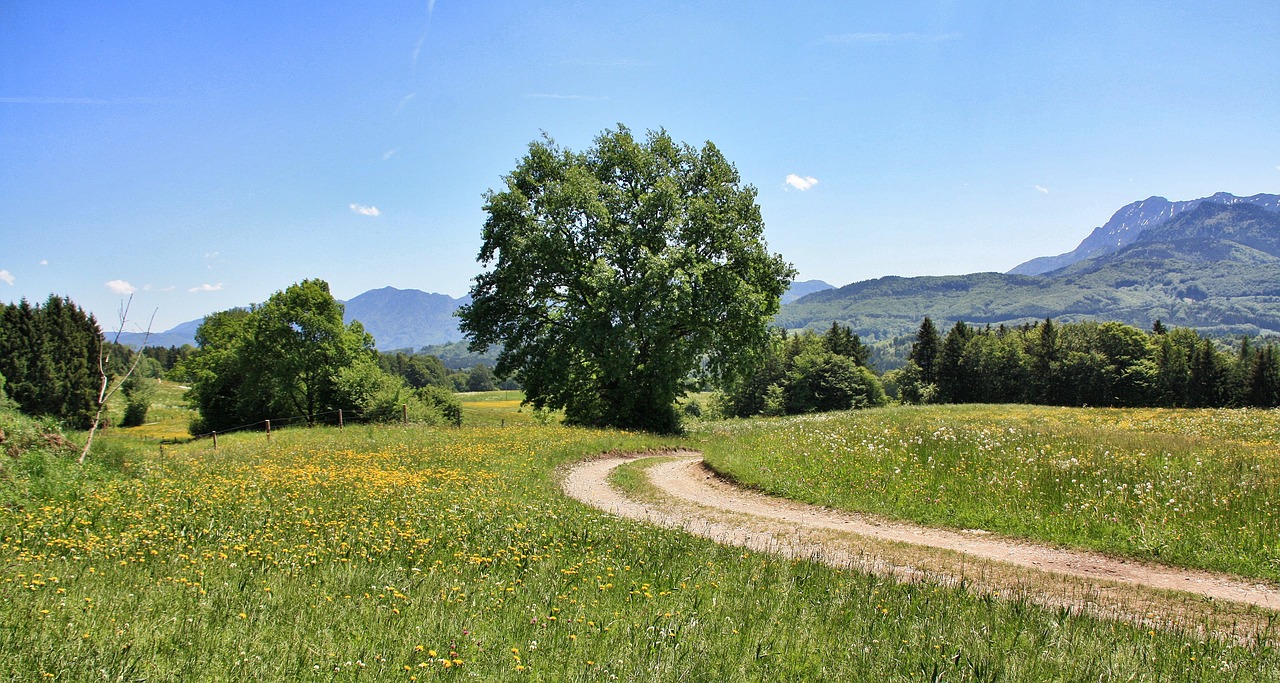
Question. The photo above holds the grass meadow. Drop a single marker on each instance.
(1190, 488)
(396, 553)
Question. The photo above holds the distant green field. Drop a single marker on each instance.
(1188, 488)
(396, 553)
(168, 418)
(497, 408)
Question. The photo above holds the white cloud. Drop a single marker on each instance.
(120, 287)
(1042, 189)
(6, 276)
(44, 261)
(365, 210)
(801, 183)
(206, 287)
(211, 254)
(389, 153)
(404, 101)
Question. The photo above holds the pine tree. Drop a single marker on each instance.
(842, 341)
(924, 352)
(954, 384)
(1264, 378)
(1045, 364)
(47, 354)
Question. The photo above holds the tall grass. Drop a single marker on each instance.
(402, 553)
(1187, 488)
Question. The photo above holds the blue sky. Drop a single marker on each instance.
(204, 157)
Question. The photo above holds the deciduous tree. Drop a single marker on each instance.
(619, 271)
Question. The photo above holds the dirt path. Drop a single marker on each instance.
(692, 498)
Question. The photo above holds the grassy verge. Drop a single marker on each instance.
(632, 479)
(1187, 488)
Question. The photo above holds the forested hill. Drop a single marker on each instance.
(1215, 268)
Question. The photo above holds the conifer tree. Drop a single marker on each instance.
(924, 352)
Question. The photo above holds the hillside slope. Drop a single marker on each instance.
(1215, 268)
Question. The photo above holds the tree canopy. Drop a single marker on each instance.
(619, 271)
(806, 373)
(1088, 363)
(284, 358)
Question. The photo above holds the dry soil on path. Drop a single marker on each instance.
(687, 495)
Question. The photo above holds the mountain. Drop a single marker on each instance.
(165, 339)
(803, 288)
(1214, 267)
(184, 333)
(1127, 224)
(397, 319)
(406, 318)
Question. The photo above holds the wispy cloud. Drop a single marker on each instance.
(6, 276)
(558, 96)
(80, 100)
(1042, 189)
(44, 261)
(417, 50)
(389, 153)
(801, 183)
(417, 47)
(206, 287)
(606, 62)
(120, 287)
(404, 101)
(888, 38)
(365, 210)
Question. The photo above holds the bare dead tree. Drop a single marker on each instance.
(108, 388)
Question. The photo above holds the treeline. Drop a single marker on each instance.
(293, 357)
(806, 373)
(422, 370)
(1086, 363)
(49, 363)
(49, 359)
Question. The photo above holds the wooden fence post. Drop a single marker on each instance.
(215, 441)
(268, 429)
(404, 413)
(339, 419)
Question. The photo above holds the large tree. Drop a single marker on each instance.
(619, 271)
(280, 359)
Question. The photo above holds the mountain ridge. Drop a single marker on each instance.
(1129, 222)
(1215, 268)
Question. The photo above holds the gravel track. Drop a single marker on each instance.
(691, 497)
